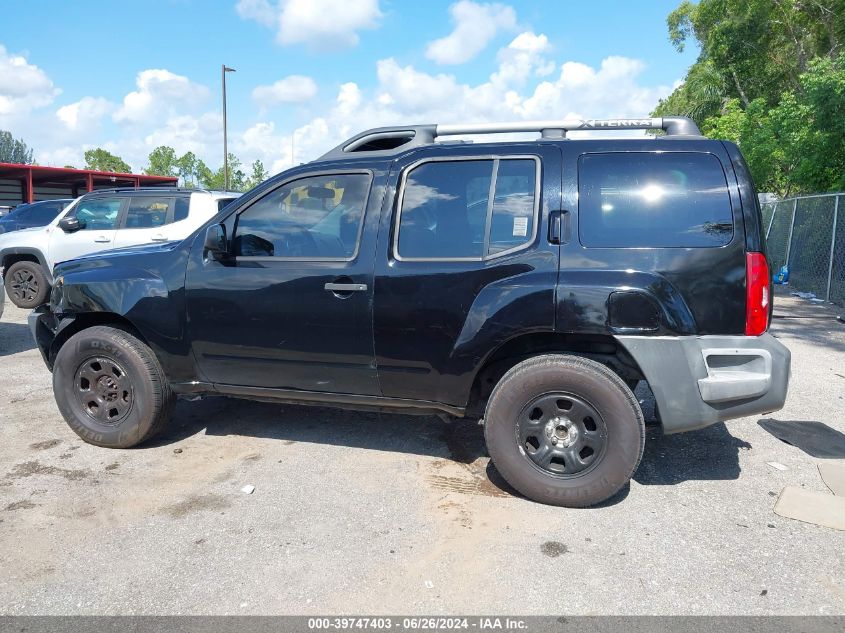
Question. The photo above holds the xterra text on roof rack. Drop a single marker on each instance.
(528, 284)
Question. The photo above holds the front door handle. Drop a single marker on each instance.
(345, 287)
(102, 239)
(158, 238)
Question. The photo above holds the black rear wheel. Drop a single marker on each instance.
(26, 284)
(564, 430)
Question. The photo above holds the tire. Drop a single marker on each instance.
(26, 284)
(529, 425)
(110, 388)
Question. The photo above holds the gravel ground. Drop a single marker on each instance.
(385, 514)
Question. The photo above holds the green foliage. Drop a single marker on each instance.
(195, 173)
(770, 77)
(259, 175)
(14, 150)
(188, 168)
(101, 160)
(162, 162)
(215, 180)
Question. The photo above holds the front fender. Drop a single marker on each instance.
(12, 251)
(119, 290)
(152, 306)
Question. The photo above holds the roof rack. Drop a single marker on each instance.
(154, 188)
(388, 140)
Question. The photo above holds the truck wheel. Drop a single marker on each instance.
(26, 284)
(564, 430)
(110, 388)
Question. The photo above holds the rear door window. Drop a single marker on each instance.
(147, 212)
(446, 212)
(650, 199)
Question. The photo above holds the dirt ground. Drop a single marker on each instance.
(382, 514)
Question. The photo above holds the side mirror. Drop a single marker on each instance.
(71, 224)
(215, 242)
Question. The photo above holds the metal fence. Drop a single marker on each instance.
(807, 233)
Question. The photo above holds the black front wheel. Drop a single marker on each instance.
(26, 284)
(564, 430)
(110, 388)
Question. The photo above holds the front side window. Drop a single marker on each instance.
(650, 199)
(446, 211)
(98, 214)
(147, 212)
(312, 218)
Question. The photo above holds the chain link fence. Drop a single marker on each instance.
(807, 233)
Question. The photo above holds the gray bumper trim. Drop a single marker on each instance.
(701, 380)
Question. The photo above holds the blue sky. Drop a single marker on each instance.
(130, 77)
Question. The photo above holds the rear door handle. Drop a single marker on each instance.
(345, 287)
(559, 227)
(158, 238)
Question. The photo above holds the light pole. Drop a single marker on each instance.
(223, 72)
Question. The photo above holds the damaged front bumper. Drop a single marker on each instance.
(44, 327)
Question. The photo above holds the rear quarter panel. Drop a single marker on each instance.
(696, 290)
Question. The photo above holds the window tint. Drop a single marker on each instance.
(147, 212)
(180, 208)
(311, 218)
(221, 203)
(444, 208)
(641, 199)
(98, 214)
(44, 213)
(512, 223)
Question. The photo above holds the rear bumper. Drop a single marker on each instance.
(700, 380)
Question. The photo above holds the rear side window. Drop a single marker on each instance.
(446, 211)
(147, 212)
(649, 199)
(180, 208)
(222, 203)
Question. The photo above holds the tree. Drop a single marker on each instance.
(216, 180)
(759, 47)
(162, 162)
(187, 167)
(101, 160)
(259, 175)
(770, 77)
(14, 150)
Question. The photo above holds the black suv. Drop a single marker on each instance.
(528, 284)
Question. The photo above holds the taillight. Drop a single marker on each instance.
(757, 294)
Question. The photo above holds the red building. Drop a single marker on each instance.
(30, 183)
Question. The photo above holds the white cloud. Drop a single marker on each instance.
(320, 24)
(85, 113)
(159, 91)
(525, 85)
(526, 81)
(259, 10)
(475, 26)
(291, 89)
(23, 86)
